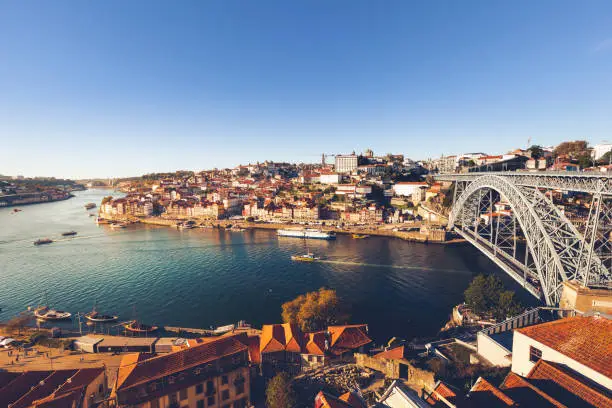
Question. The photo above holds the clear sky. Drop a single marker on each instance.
(120, 88)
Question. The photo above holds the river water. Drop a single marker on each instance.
(203, 278)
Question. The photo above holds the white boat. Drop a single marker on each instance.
(46, 313)
(308, 257)
(117, 225)
(306, 233)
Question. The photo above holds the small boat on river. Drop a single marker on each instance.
(90, 206)
(308, 257)
(117, 225)
(69, 233)
(360, 236)
(134, 326)
(43, 241)
(46, 313)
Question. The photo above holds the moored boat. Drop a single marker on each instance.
(96, 317)
(360, 236)
(46, 313)
(137, 327)
(306, 233)
(43, 241)
(117, 225)
(89, 206)
(69, 233)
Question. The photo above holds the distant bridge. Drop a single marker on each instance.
(535, 242)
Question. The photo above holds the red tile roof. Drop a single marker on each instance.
(444, 391)
(485, 394)
(568, 386)
(526, 394)
(43, 388)
(323, 400)
(15, 389)
(157, 367)
(348, 337)
(353, 400)
(315, 343)
(280, 337)
(586, 340)
(396, 353)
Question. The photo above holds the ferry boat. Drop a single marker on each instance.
(136, 327)
(89, 206)
(185, 225)
(360, 236)
(69, 233)
(45, 313)
(306, 233)
(43, 241)
(308, 257)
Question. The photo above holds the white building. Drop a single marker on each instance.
(407, 188)
(330, 178)
(346, 163)
(582, 344)
(600, 149)
(400, 396)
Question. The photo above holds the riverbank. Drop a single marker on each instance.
(388, 231)
(15, 200)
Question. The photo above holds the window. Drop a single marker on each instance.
(183, 394)
(199, 388)
(210, 388)
(224, 380)
(224, 395)
(534, 354)
(200, 404)
(239, 388)
(210, 401)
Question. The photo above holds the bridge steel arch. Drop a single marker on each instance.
(552, 241)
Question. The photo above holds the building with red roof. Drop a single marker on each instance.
(212, 374)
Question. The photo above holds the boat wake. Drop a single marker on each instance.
(412, 268)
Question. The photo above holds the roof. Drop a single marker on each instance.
(567, 386)
(396, 353)
(485, 394)
(113, 341)
(586, 340)
(353, 400)
(315, 343)
(348, 337)
(398, 395)
(442, 390)
(324, 400)
(20, 385)
(157, 367)
(526, 394)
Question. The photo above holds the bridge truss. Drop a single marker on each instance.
(534, 241)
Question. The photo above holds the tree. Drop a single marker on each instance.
(18, 323)
(486, 295)
(315, 310)
(536, 151)
(279, 393)
(571, 149)
(606, 158)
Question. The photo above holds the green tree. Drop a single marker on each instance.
(486, 295)
(536, 151)
(606, 158)
(315, 310)
(279, 392)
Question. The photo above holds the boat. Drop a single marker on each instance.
(238, 229)
(117, 225)
(92, 215)
(43, 241)
(46, 313)
(185, 225)
(97, 317)
(308, 257)
(16, 210)
(69, 233)
(137, 327)
(306, 233)
(89, 206)
(360, 236)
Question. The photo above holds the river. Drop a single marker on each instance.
(203, 278)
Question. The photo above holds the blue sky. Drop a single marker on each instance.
(116, 88)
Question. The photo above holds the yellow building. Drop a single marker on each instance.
(214, 373)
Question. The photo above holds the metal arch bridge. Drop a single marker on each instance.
(534, 241)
